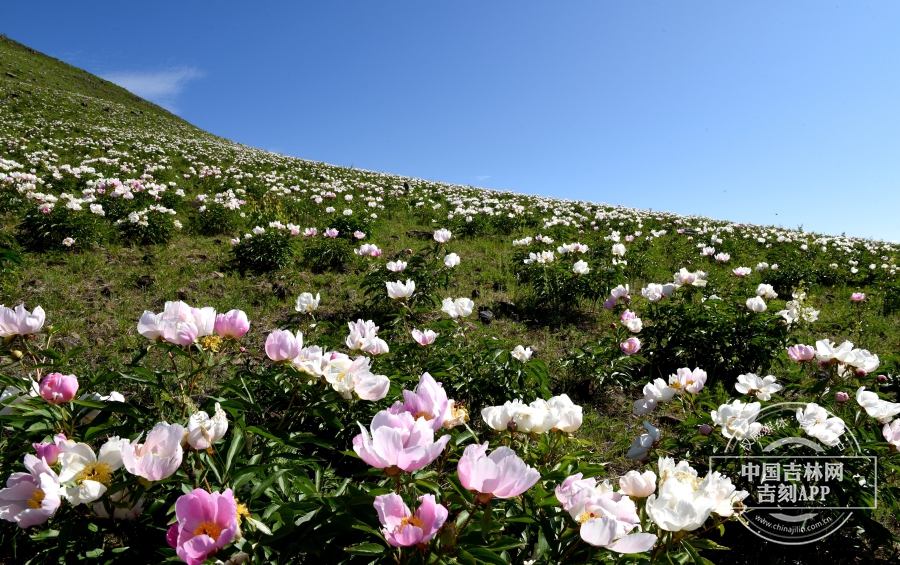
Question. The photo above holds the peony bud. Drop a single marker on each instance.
(233, 324)
(705, 430)
(882, 379)
(841, 396)
(57, 388)
(49, 452)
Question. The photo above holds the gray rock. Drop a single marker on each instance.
(486, 316)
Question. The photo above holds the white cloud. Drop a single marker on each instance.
(482, 177)
(160, 87)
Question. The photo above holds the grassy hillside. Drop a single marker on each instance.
(158, 210)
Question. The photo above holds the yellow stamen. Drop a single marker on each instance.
(211, 342)
(241, 511)
(411, 521)
(36, 498)
(100, 472)
(585, 516)
(210, 529)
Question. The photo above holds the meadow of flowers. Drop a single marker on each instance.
(212, 353)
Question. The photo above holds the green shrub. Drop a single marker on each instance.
(268, 251)
(39, 231)
(150, 226)
(327, 254)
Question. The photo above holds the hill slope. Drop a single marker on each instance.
(110, 206)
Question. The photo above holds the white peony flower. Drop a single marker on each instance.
(306, 303)
(763, 388)
(203, 431)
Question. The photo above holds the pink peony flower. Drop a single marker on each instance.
(607, 520)
(423, 338)
(20, 321)
(891, 433)
(501, 474)
(233, 324)
(31, 498)
(282, 345)
(857, 297)
(630, 346)
(569, 492)
(637, 484)
(57, 388)
(159, 456)
(612, 534)
(688, 381)
(178, 323)
(398, 443)
(49, 452)
(206, 523)
(402, 528)
(801, 353)
(428, 402)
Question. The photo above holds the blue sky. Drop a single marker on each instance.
(781, 113)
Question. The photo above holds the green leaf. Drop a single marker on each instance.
(259, 525)
(365, 549)
(237, 440)
(465, 557)
(695, 556)
(487, 556)
(486, 517)
(266, 483)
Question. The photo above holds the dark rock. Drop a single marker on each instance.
(420, 233)
(279, 290)
(475, 293)
(486, 316)
(182, 295)
(9, 74)
(690, 231)
(505, 308)
(106, 291)
(405, 184)
(145, 281)
(148, 259)
(217, 241)
(497, 286)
